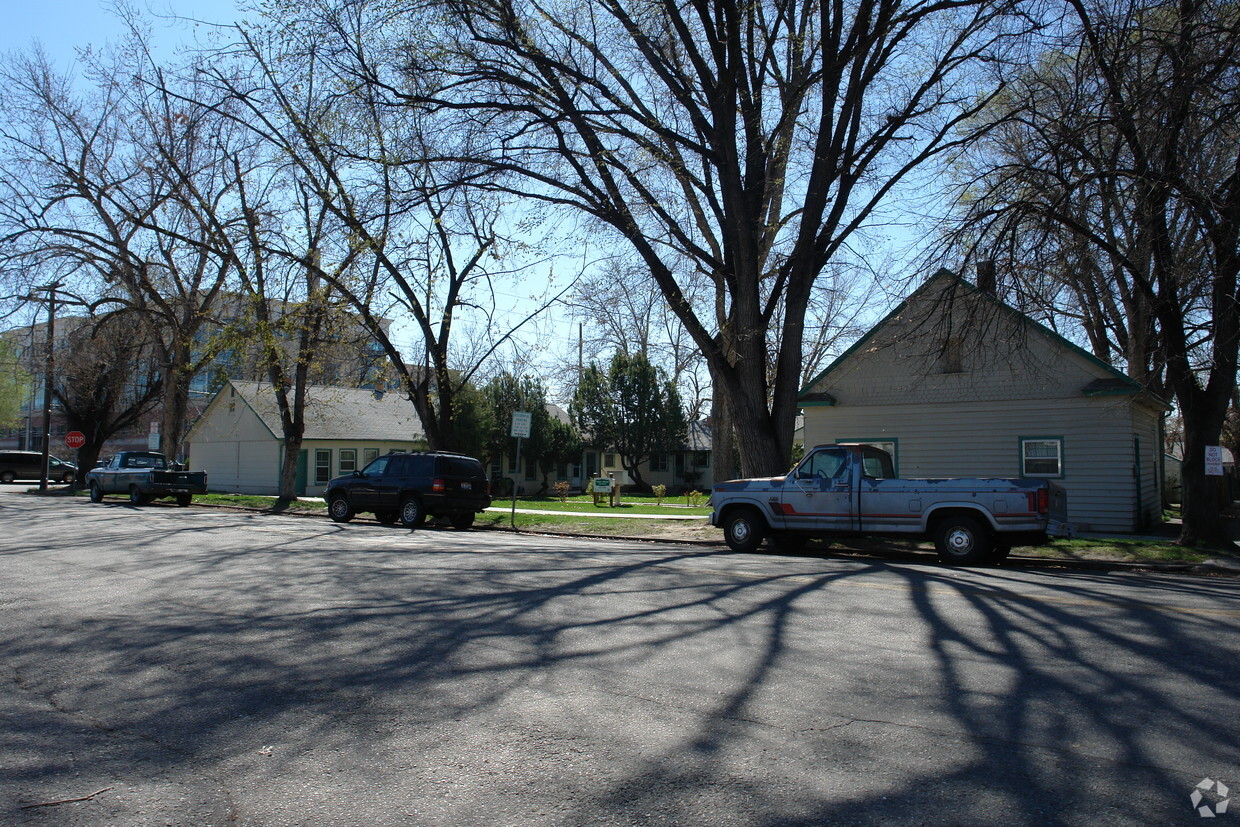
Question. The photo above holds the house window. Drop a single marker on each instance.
(658, 462)
(1041, 456)
(951, 356)
(322, 466)
(512, 464)
(701, 459)
(369, 455)
(530, 468)
(609, 460)
(348, 460)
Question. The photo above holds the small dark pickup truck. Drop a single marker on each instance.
(144, 476)
(842, 490)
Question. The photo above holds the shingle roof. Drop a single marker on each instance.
(340, 413)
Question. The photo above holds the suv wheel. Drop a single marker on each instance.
(412, 513)
(339, 509)
(462, 521)
(7, 477)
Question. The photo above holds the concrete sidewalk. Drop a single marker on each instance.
(600, 514)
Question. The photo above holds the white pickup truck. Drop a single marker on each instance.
(839, 490)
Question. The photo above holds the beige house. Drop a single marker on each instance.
(238, 440)
(954, 382)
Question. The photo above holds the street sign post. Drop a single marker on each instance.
(521, 421)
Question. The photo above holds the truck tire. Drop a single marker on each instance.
(96, 493)
(136, 497)
(338, 508)
(961, 541)
(412, 513)
(744, 530)
(184, 499)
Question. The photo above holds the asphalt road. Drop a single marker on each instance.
(200, 667)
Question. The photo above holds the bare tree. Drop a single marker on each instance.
(748, 142)
(85, 196)
(401, 239)
(1120, 156)
(108, 378)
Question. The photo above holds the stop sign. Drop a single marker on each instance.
(75, 439)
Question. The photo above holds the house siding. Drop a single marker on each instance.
(982, 439)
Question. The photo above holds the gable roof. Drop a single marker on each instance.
(336, 413)
(1113, 383)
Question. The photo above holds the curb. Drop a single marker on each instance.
(1208, 568)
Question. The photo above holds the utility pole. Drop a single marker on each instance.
(48, 374)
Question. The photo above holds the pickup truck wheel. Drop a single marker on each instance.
(412, 513)
(338, 508)
(7, 477)
(462, 521)
(136, 497)
(743, 530)
(96, 493)
(387, 517)
(1000, 553)
(184, 499)
(961, 541)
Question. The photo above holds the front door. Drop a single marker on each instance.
(819, 493)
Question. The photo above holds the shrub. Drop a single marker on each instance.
(693, 497)
(659, 491)
(561, 491)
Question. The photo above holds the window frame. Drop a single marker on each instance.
(319, 469)
(1023, 458)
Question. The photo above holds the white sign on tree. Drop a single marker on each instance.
(1214, 461)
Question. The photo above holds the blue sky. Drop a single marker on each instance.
(64, 25)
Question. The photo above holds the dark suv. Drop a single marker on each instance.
(28, 465)
(411, 487)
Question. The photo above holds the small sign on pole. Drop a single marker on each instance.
(521, 421)
(1214, 461)
(75, 439)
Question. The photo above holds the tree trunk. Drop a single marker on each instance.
(1204, 523)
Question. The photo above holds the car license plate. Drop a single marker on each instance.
(467, 486)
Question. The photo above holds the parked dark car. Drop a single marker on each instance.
(28, 465)
(410, 487)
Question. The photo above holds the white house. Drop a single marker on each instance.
(954, 382)
(238, 440)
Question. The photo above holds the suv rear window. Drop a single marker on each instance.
(460, 467)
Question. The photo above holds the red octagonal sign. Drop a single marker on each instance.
(75, 439)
